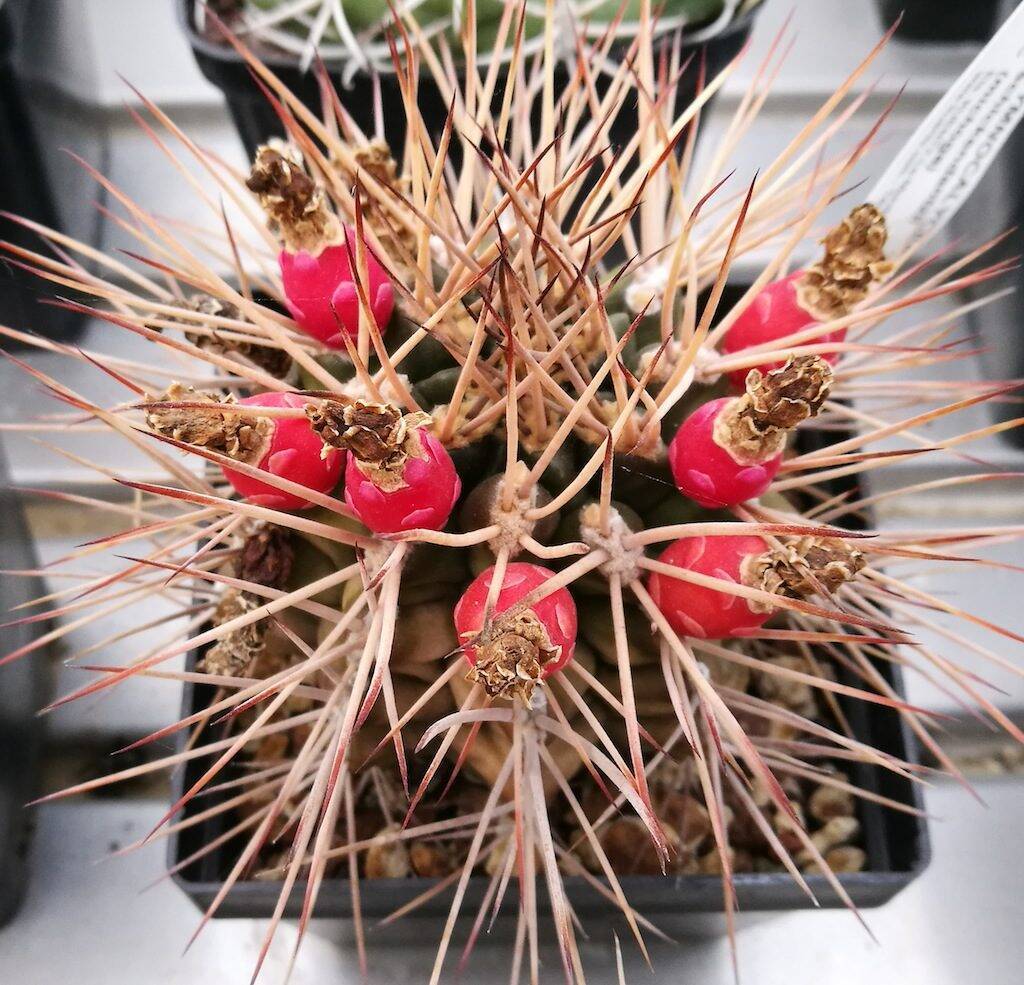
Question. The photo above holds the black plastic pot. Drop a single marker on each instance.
(256, 120)
(999, 326)
(22, 686)
(941, 21)
(1001, 330)
(896, 843)
(1011, 346)
(24, 191)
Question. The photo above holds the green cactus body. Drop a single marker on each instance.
(367, 22)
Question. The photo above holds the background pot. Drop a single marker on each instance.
(22, 688)
(24, 191)
(940, 20)
(256, 120)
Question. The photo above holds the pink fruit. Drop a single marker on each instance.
(774, 314)
(694, 610)
(421, 493)
(293, 453)
(315, 283)
(707, 472)
(556, 612)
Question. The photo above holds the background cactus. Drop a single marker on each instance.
(551, 329)
(354, 31)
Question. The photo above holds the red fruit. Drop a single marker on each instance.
(420, 493)
(312, 284)
(556, 612)
(708, 473)
(774, 314)
(693, 610)
(293, 453)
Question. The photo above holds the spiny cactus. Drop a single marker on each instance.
(447, 468)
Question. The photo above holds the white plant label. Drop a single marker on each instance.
(941, 164)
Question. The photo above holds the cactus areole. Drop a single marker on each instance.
(515, 649)
(729, 450)
(320, 259)
(853, 262)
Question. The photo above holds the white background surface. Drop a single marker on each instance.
(85, 924)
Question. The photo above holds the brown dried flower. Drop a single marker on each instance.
(753, 427)
(294, 202)
(805, 567)
(511, 658)
(266, 557)
(243, 438)
(274, 361)
(231, 655)
(375, 159)
(379, 436)
(854, 260)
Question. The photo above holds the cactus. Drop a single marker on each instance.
(354, 32)
(452, 547)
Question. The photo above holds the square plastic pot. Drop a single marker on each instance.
(24, 191)
(22, 688)
(896, 843)
(941, 21)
